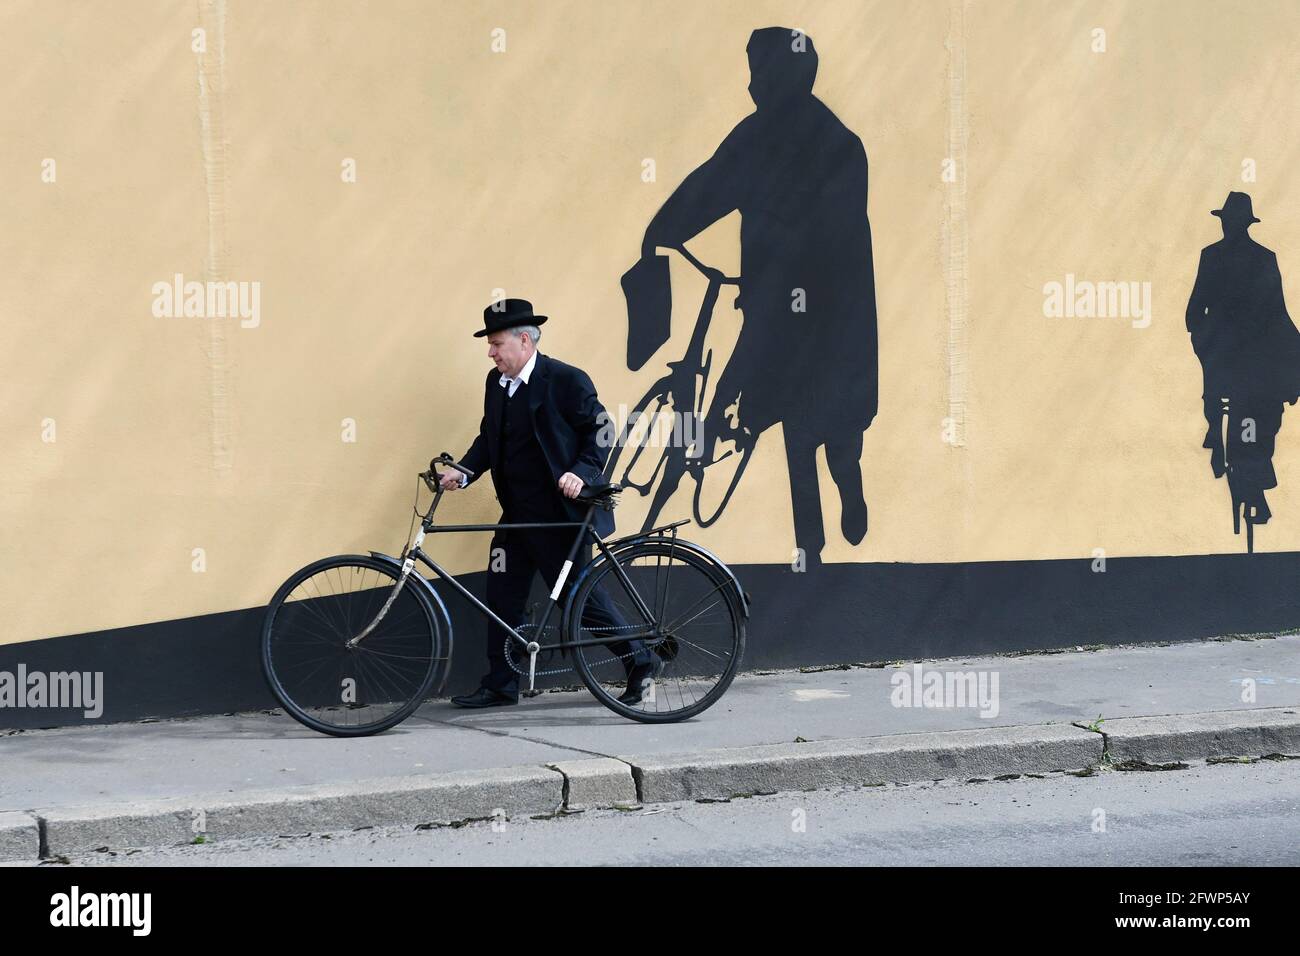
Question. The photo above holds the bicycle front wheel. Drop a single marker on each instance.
(722, 476)
(655, 461)
(695, 611)
(342, 690)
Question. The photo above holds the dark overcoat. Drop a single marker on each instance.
(569, 422)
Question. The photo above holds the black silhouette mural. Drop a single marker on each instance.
(806, 355)
(1250, 360)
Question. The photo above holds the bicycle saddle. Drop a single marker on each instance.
(599, 492)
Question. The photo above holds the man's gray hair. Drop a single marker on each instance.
(534, 333)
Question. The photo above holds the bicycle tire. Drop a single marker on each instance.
(671, 465)
(660, 392)
(331, 617)
(712, 578)
(699, 473)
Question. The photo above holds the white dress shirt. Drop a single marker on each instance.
(511, 385)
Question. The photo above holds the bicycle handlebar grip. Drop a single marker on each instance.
(446, 459)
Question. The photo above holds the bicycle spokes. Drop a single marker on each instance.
(716, 482)
(694, 628)
(322, 674)
(641, 433)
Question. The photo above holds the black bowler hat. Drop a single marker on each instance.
(1236, 206)
(508, 314)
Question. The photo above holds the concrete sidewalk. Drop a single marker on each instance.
(153, 783)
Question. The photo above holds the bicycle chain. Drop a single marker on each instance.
(513, 647)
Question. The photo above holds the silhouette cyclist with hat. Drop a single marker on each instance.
(1249, 351)
(806, 355)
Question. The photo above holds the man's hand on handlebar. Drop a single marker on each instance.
(450, 479)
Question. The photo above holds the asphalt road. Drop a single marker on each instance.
(1206, 815)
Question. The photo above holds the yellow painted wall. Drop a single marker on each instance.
(522, 170)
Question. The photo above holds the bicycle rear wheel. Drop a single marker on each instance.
(365, 689)
(700, 619)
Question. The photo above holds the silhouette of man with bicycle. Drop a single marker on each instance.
(1250, 358)
(806, 356)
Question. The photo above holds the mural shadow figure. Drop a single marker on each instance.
(1249, 351)
(806, 355)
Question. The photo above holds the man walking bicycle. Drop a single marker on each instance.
(539, 438)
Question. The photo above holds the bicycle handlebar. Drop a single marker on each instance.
(708, 271)
(443, 459)
(446, 459)
(599, 494)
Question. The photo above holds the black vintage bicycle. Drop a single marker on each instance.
(354, 644)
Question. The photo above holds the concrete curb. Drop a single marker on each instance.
(1229, 733)
(452, 798)
(904, 758)
(601, 782)
(20, 836)
(441, 799)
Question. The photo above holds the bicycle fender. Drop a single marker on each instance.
(704, 552)
(600, 559)
(424, 589)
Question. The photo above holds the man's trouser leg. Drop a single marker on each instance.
(1252, 436)
(601, 616)
(507, 596)
(805, 498)
(844, 458)
(1214, 433)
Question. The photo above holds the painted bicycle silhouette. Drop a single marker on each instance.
(679, 398)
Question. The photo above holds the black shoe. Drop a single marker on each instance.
(1257, 510)
(853, 520)
(485, 697)
(639, 680)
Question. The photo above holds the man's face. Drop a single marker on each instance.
(758, 85)
(777, 80)
(1234, 226)
(509, 352)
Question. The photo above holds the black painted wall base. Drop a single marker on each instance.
(837, 613)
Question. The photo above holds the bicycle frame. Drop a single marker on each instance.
(687, 381)
(1238, 507)
(681, 378)
(413, 553)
